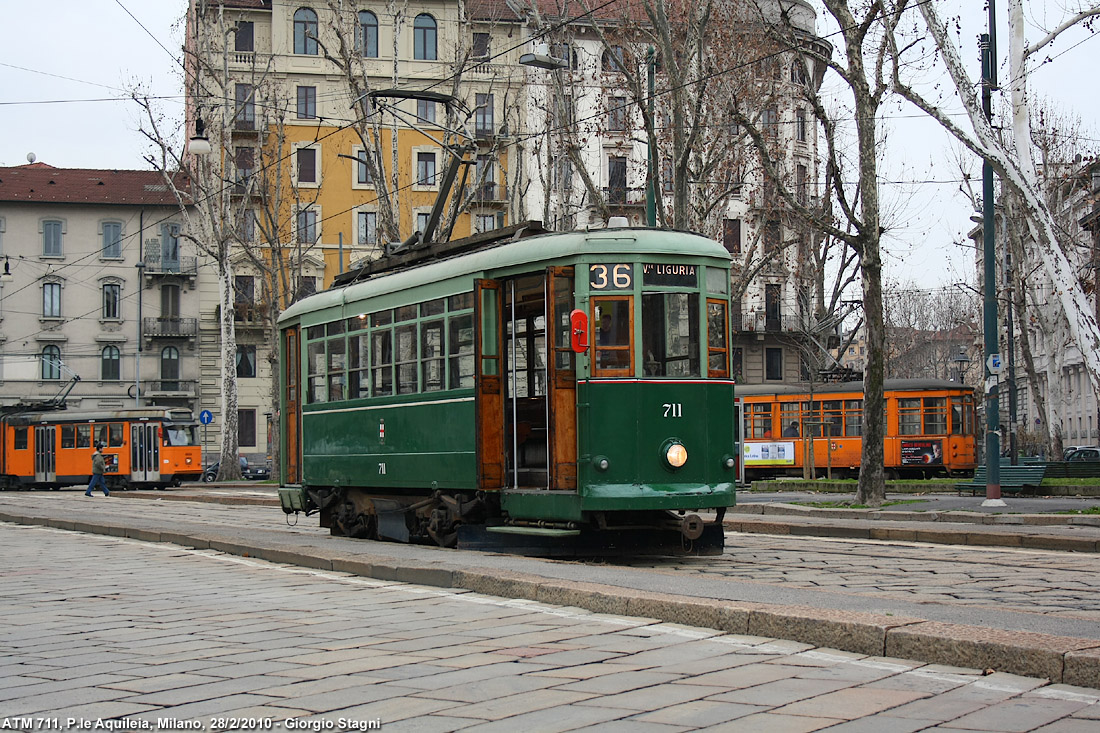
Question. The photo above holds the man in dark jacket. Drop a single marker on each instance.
(99, 465)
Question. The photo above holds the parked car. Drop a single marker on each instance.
(248, 471)
(1084, 454)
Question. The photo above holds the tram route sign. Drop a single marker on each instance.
(206, 417)
(993, 363)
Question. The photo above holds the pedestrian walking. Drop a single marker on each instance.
(99, 465)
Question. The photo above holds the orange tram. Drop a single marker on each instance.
(147, 447)
(930, 429)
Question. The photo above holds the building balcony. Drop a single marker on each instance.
(170, 327)
(158, 266)
(760, 322)
(165, 388)
(490, 193)
(625, 196)
(486, 70)
(250, 315)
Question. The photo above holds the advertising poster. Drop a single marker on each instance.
(922, 452)
(769, 454)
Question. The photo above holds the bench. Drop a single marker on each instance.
(1014, 479)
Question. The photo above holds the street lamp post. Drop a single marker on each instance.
(140, 336)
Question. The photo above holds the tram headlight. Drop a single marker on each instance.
(675, 454)
(729, 462)
(601, 463)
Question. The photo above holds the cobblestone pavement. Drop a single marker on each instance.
(98, 627)
(1029, 581)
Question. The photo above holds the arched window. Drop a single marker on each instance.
(170, 369)
(424, 38)
(612, 59)
(51, 362)
(110, 368)
(305, 32)
(367, 41)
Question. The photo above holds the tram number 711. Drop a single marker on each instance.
(673, 409)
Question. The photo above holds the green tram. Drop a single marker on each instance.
(557, 386)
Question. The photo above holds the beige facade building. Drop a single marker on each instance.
(102, 296)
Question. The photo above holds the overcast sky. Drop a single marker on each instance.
(67, 66)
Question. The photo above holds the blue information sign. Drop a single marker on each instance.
(206, 417)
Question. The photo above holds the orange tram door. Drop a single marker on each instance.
(40, 451)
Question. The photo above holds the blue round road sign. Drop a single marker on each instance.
(206, 417)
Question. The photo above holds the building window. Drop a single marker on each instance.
(307, 165)
(51, 362)
(246, 428)
(111, 300)
(246, 361)
(422, 221)
(51, 239)
(798, 74)
(307, 286)
(305, 32)
(368, 227)
(425, 110)
(800, 125)
(243, 38)
(110, 364)
(769, 122)
(170, 369)
(486, 222)
(246, 226)
(773, 364)
(612, 59)
(367, 42)
(424, 38)
(616, 114)
(616, 180)
(771, 235)
(731, 236)
(307, 226)
(307, 103)
(481, 46)
(362, 170)
(244, 160)
(425, 169)
(51, 300)
(483, 115)
(170, 247)
(112, 239)
(170, 301)
(800, 174)
(245, 117)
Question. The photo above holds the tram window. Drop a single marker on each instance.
(381, 318)
(790, 419)
(431, 354)
(565, 359)
(405, 313)
(831, 416)
(335, 328)
(179, 435)
(315, 364)
(110, 434)
(68, 436)
(462, 302)
(935, 415)
(381, 363)
(760, 420)
(83, 436)
(358, 374)
(337, 351)
(670, 334)
(718, 280)
(357, 323)
(853, 418)
(19, 440)
(460, 347)
(909, 416)
(613, 331)
(717, 340)
(432, 307)
(315, 332)
(406, 359)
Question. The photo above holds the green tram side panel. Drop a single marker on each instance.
(623, 420)
(406, 444)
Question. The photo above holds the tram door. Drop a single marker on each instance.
(144, 452)
(292, 418)
(488, 386)
(562, 387)
(45, 454)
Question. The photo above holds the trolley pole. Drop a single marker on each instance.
(992, 357)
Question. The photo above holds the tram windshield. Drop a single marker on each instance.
(179, 435)
(670, 334)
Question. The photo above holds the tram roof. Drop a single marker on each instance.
(544, 248)
(178, 414)
(889, 385)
